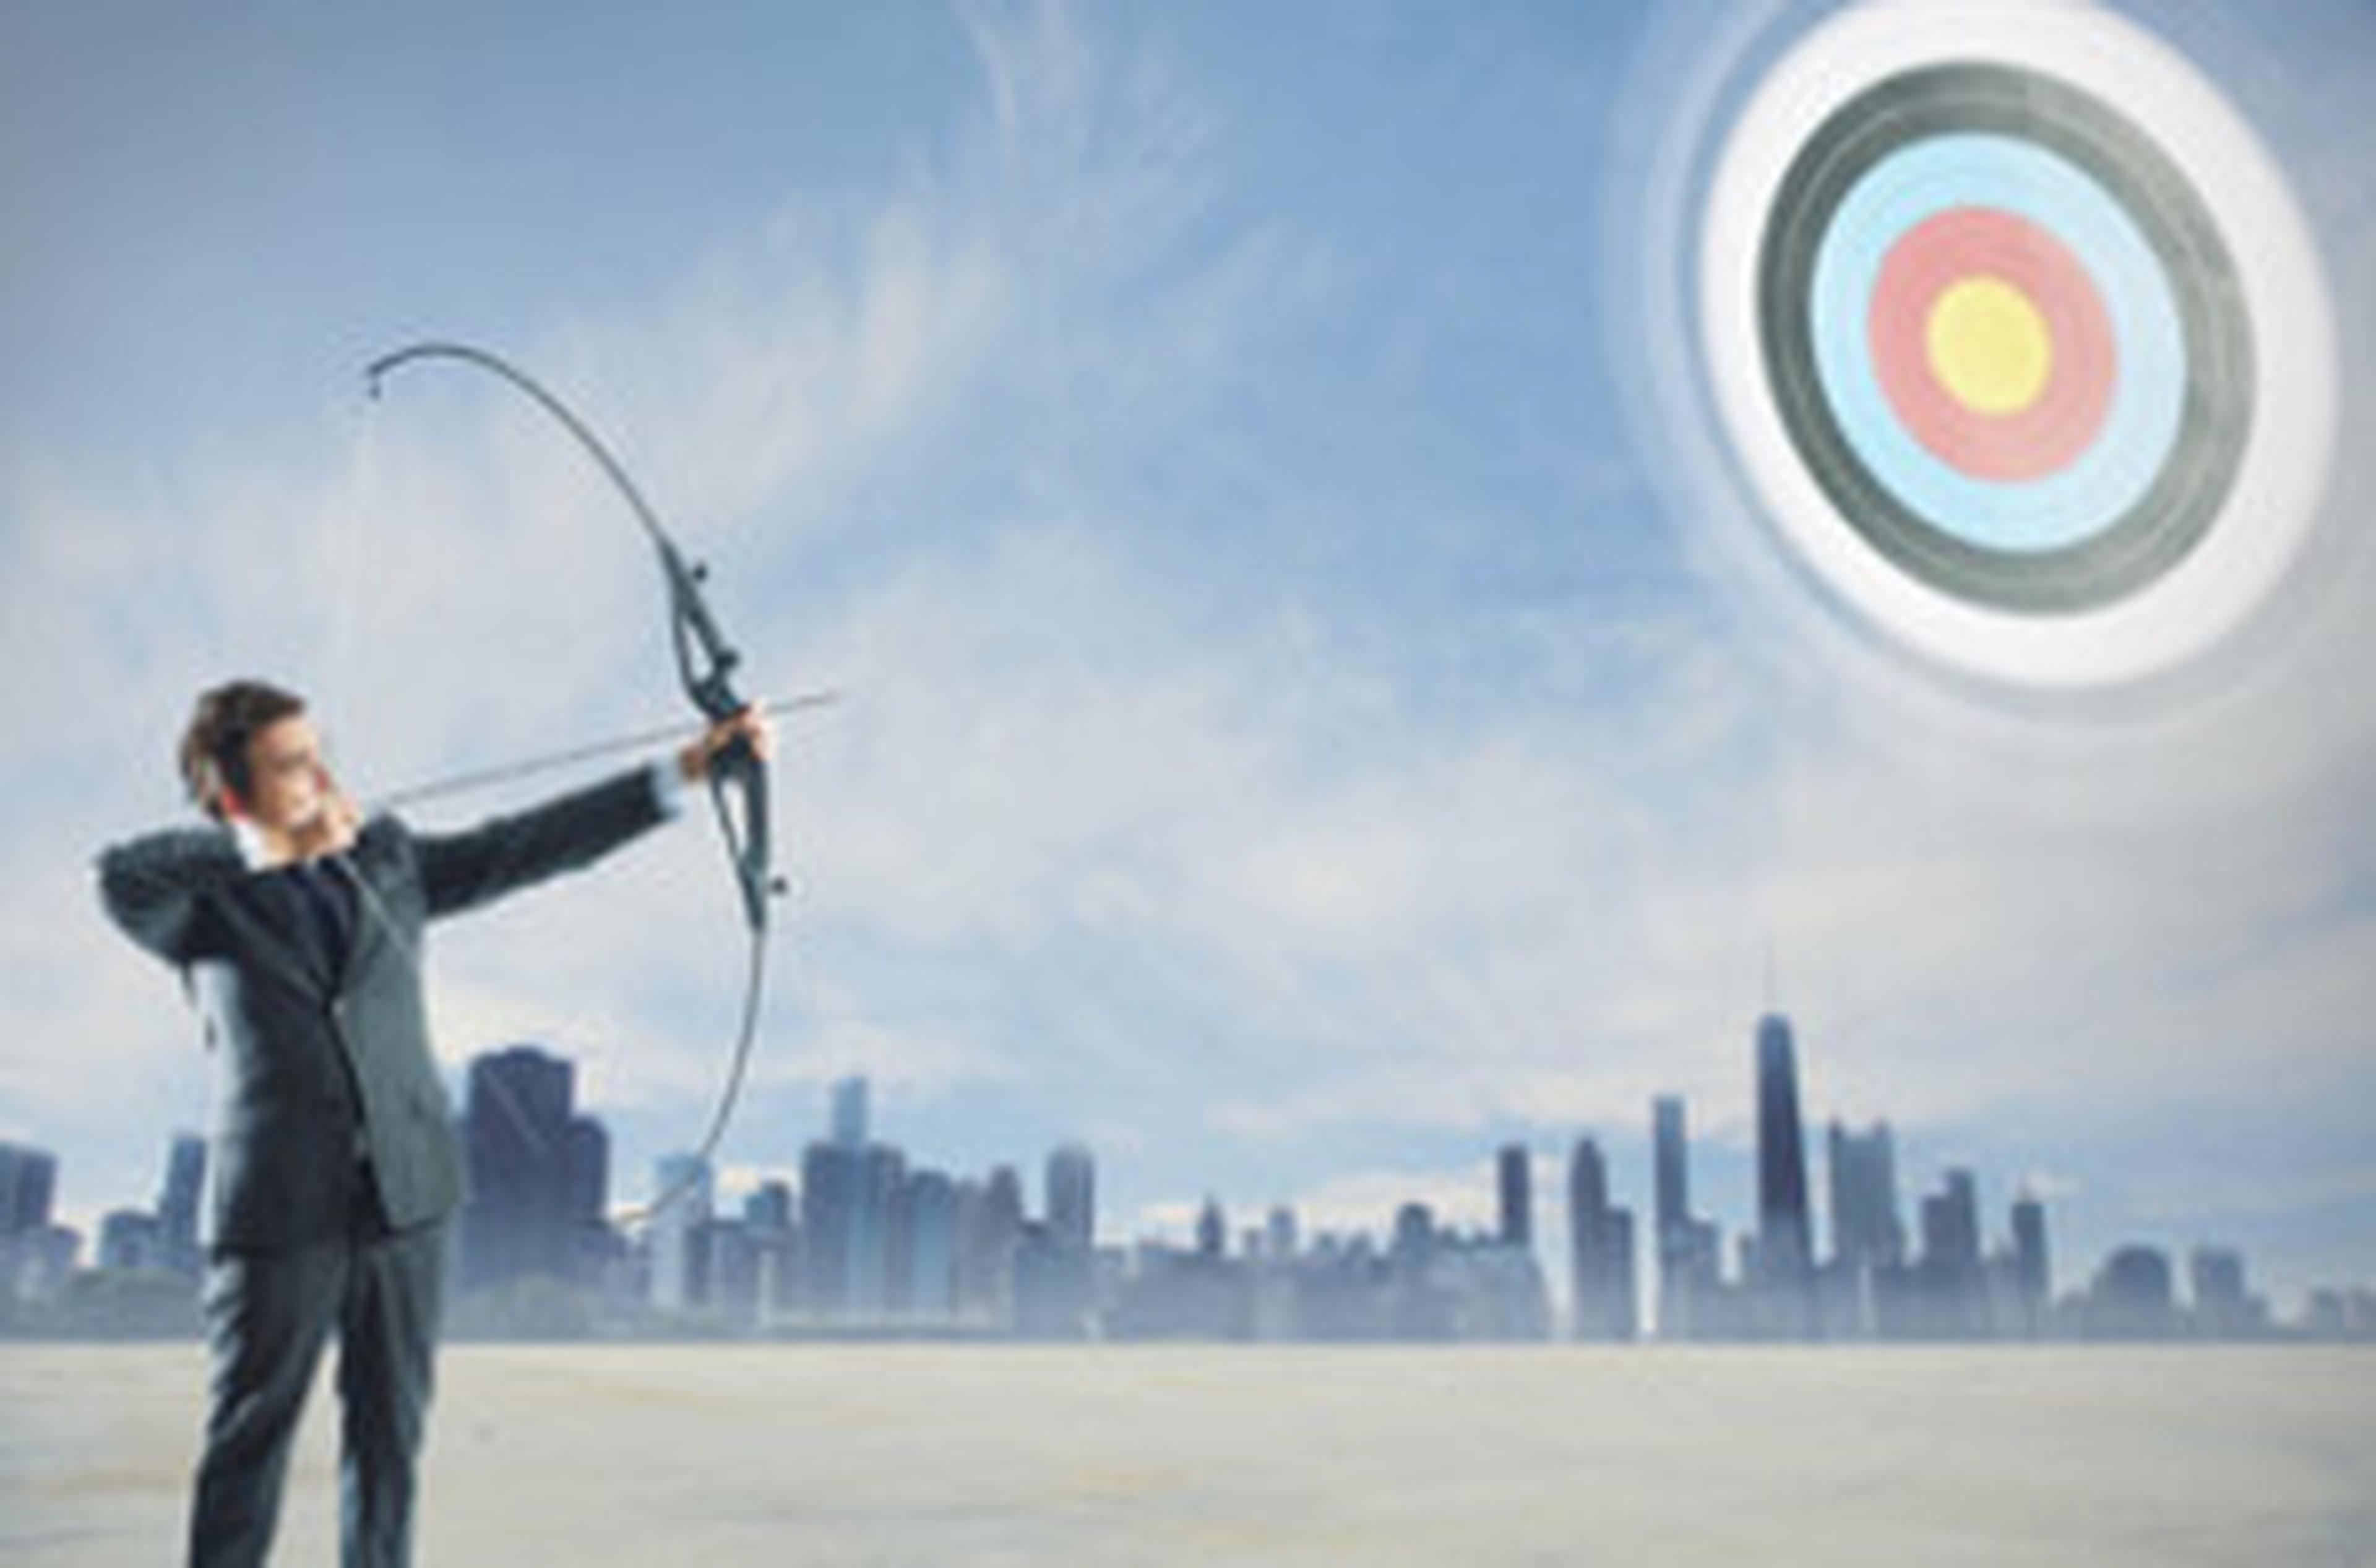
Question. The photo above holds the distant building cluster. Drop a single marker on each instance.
(145, 1277)
(1427, 1282)
(869, 1242)
(1873, 1284)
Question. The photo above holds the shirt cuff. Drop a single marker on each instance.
(668, 786)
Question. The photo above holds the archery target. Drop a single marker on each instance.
(2017, 336)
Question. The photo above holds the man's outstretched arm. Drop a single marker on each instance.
(462, 871)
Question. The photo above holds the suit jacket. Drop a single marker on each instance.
(319, 1069)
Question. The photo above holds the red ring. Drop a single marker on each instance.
(1967, 242)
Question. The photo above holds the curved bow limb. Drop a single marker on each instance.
(706, 664)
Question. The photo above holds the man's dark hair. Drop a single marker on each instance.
(214, 748)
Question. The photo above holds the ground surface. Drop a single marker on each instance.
(587, 1456)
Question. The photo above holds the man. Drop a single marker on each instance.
(334, 1164)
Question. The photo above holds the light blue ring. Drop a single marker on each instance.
(2149, 400)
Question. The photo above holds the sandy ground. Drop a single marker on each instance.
(919, 1455)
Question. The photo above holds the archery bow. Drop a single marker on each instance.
(705, 663)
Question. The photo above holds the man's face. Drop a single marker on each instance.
(286, 780)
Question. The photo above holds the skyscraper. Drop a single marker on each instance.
(1784, 1281)
(1054, 1271)
(1000, 1238)
(1413, 1247)
(36, 1255)
(679, 1234)
(879, 1248)
(1687, 1247)
(1954, 1284)
(1951, 1226)
(177, 1203)
(970, 1242)
(1671, 1169)
(2033, 1265)
(1516, 1182)
(1280, 1234)
(130, 1241)
(1600, 1249)
(535, 1170)
(586, 1180)
(858, 1254)
(1785, 1243)
(931, 1272)
(2131, 1297)
(1867, 1233)
(849, 1113)
(832, 1180)
(2224, 1305)
(1212, 1229)
(28, 1181)
(1073, 1198)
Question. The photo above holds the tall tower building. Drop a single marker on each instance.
(879, 1255)
(1073, 1198)
(586, 1157)
(1414, 1245)
(1689, 1277)
(1054, 1269)
(1785, 1238)
(516, 1137)
(2224, 1305)
(1280, 1237)
(1001, 1238)
(36, 1255)
(2033, 1265)
(1951, 1226)
(1600, 1249)
(177, 1205)
(1671, 1188)
(832, 1180)
(932, 1271)
(1865, 1231)
(1212, 1229)
(28, 1182)
(2033, 1284)
(679, 1234)
(849, 1113)
(854, 1214)
(1954, 1285)
(859, 1255)
(1516, 1182)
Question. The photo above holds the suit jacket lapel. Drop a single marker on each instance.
(273, 945)
(369, 927)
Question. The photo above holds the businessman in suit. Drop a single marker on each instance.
(334, 1165)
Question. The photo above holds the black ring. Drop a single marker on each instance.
(2177, 509)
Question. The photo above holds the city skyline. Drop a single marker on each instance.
(865, 1230)
(1304, 722)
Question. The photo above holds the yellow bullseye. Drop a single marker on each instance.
(1989, 346)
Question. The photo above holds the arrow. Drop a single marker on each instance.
(486, 777)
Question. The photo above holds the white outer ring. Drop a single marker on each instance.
(2282, 475)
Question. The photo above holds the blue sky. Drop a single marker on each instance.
(1301, 730)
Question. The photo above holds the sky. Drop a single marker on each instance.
(1306, 718)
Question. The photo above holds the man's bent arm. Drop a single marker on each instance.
(153, 886)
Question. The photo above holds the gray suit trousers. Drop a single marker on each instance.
(269, 1314)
